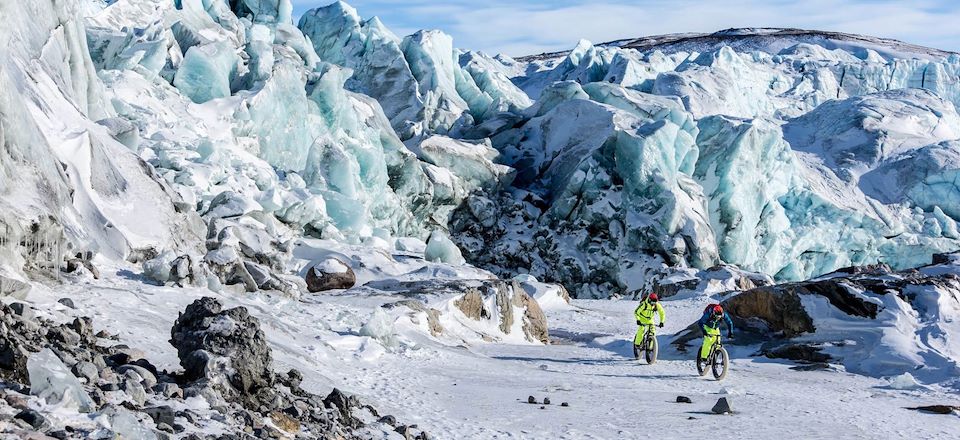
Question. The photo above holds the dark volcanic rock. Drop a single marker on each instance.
(34, 419)
(797, 352)
(722, 406)
(211, 341)
(344, 405)
(937, 409)
(161, 414)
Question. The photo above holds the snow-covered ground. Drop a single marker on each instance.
(459, 390)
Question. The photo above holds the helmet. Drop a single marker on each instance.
(653, 297)
(717, 310)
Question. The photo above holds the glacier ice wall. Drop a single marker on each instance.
(418, 79)
(68, 187)
(798, 164)
(601, 168)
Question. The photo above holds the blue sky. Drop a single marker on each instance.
(534, 26)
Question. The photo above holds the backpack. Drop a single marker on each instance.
(709, 309)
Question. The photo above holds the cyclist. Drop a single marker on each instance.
(644, 314)
(710, 323)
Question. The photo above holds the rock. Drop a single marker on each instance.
(161, 415)
(65, 336)
(683, 399)
(15, 399)
(146, 378)
(67, 302)
(285, 422)
(183, 270)
(330, 274)
(797, 352)
(433, 315)
(531, 399)
(388, 420)
(84, 327)
(168, 390)
(24, 311)
(951, 258)
(34, 419)
(86, 370)
(344, 405)
(937, 409)
(261, 276)
(534, 322)
(722, 406)
(133, 388)
(564, 404)
(293, 379)
(820, 366)
(226, 264)
(671, 286)
(52, 381)
(214, 342)
(780, 309)
(546, 400)
(122, 355)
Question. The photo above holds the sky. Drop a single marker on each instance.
(533, 26)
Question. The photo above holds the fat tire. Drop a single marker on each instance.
(724, 364)
(701, 364)
(652, 349)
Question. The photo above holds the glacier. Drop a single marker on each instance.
(605, 168)
(192, 148)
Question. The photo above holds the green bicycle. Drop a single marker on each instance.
(648, 346)
(718, 360)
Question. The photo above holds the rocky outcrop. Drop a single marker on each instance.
(492, 301)
(432, 314)
(509, 299)
(126, 396)
(776, 315)
(211, 341)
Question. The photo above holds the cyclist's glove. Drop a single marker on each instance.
(661, 325)
(638, 322)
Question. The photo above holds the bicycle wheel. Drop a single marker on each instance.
(701, 364)
(652, 349)
(720, 364)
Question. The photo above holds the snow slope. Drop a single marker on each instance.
(479, 391)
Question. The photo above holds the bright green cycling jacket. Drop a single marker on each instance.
(644, 312)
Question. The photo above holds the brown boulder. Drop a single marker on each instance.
(780, 309)
(330, 274)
